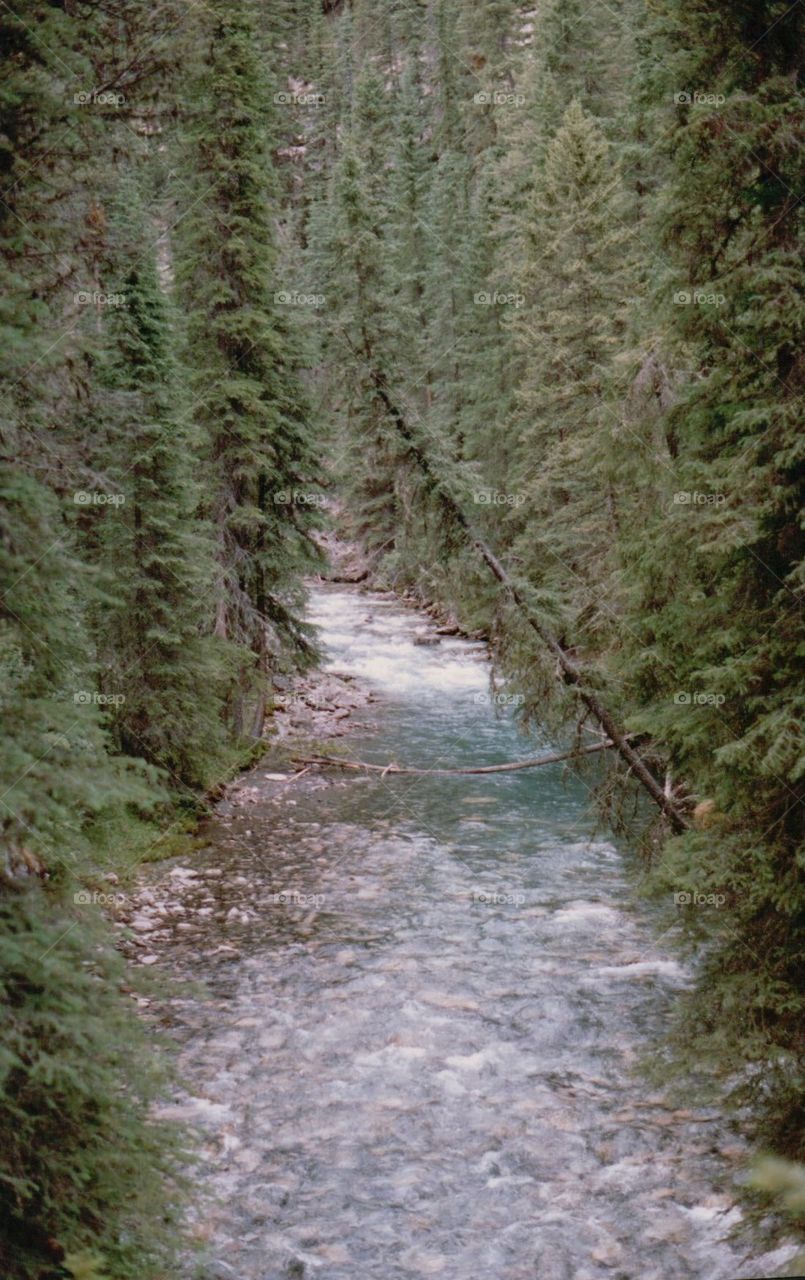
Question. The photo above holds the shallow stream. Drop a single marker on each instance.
(427, 998)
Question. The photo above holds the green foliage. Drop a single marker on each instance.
(363, 321)
(557, 251)
(155, 640)
(782, 1178)
(621, 425)
(115, 672)
(85, 1169)
(576, 279)
(718, 614)
(243, 361)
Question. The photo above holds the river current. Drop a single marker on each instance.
(426, 999)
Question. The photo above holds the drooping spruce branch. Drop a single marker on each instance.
(570, 669)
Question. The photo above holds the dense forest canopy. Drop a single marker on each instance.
(457, 273)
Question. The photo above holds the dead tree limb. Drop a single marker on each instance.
(341, 763)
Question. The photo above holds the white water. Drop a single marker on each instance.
(420, 1061)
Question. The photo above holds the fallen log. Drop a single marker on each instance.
(341, 763)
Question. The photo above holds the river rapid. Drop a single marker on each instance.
(425, 1000)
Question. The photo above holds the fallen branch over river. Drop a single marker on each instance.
(340, 763)
(572, 673)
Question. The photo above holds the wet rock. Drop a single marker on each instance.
(334, 1253)
(219, 1271)
(248, 1160)
(269, 1040)
(143, 924)
(662, 1121)
(551, 1263)
(609, 1253)
(717, 1201)
(236, 915)
(667, 1228)
(423, 1263)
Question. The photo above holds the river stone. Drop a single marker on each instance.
(219, 1271)
(143, 924)
(248, 1160)
(667, 1228)
(333, 1253)
(609, 1253)
(551, 1263)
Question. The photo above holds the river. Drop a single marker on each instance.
(426, 998)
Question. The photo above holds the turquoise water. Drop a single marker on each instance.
(428, 996)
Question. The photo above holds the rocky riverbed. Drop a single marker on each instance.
(409, 1011)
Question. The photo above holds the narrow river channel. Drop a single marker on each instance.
(426, 999)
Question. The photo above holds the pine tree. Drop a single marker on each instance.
(56, 769)
(406, 234)
(155, 642)
(361, 342)
(244, 366)
(718, 571)
(569, 329)
(82, 1166)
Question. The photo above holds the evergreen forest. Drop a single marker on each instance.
(504, 298)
